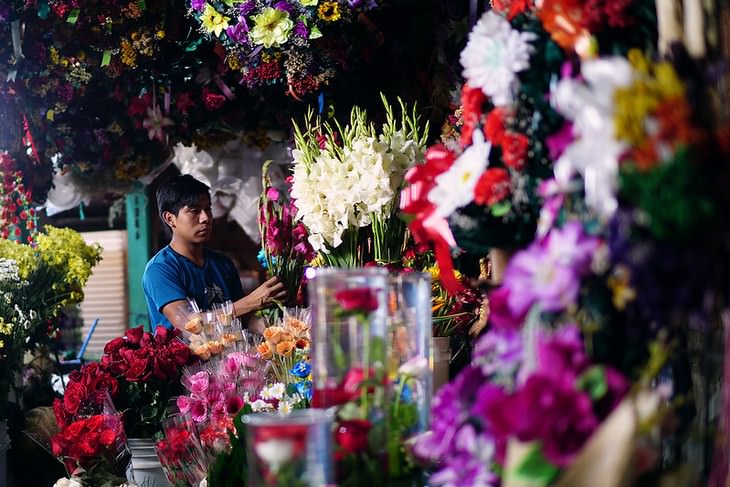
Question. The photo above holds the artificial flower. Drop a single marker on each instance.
(596, 149)
(493, 56)
(455, 187)
(213, 21)
(564, 20)
(308, 3)
(155, 123)
(329, 11)
(271, 27)
(492, 187)
(512, 8)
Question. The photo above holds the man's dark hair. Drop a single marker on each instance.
(178, 192)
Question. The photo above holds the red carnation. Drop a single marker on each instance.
(514, 150)
(493, 186)
(494, 127)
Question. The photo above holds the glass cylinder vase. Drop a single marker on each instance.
(410, 364)
(290, 449)
(349, 332)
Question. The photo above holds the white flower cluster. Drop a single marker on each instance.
(493, 56)
(9, 271)
(275, 392)
(348, 187)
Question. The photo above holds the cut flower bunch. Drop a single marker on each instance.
(347, 181)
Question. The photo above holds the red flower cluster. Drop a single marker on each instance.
(17, 215)
(352, 437)
(85, 393)
(141, 356)
(83, 443)
(512, 8)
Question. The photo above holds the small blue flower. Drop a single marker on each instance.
(304, 389)
(301, 369)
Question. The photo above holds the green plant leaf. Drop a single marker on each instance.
(593, 381)
(536, 468)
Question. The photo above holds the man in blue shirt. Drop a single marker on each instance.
(185, 269)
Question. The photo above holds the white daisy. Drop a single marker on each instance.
(493, 55)
(455, 187)
(273, 391)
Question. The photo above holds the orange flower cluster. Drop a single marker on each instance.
(284, 339)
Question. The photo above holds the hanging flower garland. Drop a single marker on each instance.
(299, 45)
(511, 59)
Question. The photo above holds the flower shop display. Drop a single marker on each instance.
(298, 46)
(587, 362)
(511, 133)
(36, 282)
(293, 449)
(91, 442)
(148, 367)
(284, 245)
(347, 181)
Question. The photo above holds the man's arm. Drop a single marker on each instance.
(259, 298)
(177, 313)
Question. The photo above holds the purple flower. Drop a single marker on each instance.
(548, 272)
(470, 463)
(551, 411)
(499, 352)
(247, 7)
(500, 315)
(560, 140)
(284, 6)
(239, 32)
(561, 355)
(300, 30)
(197, 4)
(272, 194)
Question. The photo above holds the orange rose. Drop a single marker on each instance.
(272, 334)
(264, 350)
(285, 348)
(202, 351)
(215, 347)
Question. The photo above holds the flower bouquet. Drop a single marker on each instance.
(357, 171)
(148, 368)
(181, 453)
(299, 44)
(92, 444)
(285, 248)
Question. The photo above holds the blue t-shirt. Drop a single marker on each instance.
(170, 277)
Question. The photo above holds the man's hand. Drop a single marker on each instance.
(261, 297)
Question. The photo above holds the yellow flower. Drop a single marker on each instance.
(329, 11)
(213, 21)
(2, 344)
(272, 27)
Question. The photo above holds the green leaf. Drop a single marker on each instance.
(501, 208)
(536, 468)
(106, 58)
(315, 33)
(593, 381)
(73, 16)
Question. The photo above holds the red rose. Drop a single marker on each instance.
(114, 345)
(493, 186)
(59, 412)
(73, 397)
(514, 149)
(164, 368)
(107, 437)
(494, 128)
(357, 300)
(472, 100)
(134, 335)
(138, 370)
(161, 334)
(352, 435)
(213, 101)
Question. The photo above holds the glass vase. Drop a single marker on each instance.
(349, 332)
(292, 449)
(410, 362)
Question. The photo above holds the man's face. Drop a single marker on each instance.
(193, 223)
